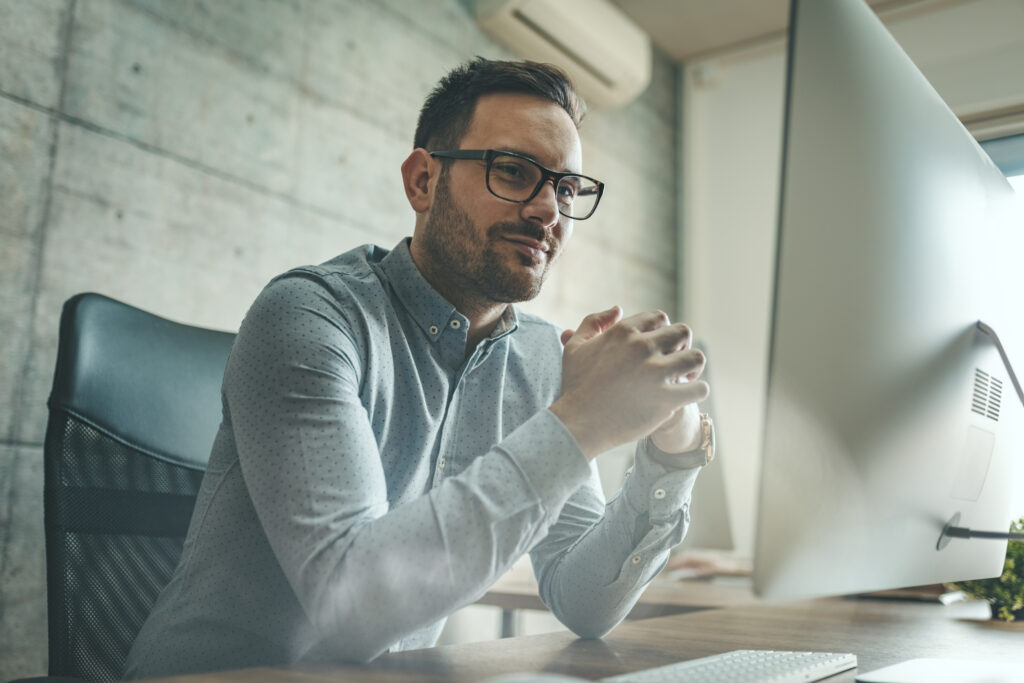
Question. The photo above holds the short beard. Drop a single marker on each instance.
(467, 267)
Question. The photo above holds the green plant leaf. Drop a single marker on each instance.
(1005, 592)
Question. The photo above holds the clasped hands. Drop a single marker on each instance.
(626, 379)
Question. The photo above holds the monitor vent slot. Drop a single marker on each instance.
(988, 395)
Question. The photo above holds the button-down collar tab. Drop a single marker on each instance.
(430, 310)
(507, 324)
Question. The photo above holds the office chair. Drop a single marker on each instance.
(133, 412)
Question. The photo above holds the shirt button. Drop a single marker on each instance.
(455, 324)
(659, 493)
(440, 463)
(637, 559)
(434, 329)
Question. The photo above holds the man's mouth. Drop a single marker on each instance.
(535, 249)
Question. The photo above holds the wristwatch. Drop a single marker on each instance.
(698, 457)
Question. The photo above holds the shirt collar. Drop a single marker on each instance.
(507, 324)
(432, 312)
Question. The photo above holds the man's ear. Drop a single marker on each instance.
(416, 177)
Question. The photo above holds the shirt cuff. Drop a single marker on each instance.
(655, 489)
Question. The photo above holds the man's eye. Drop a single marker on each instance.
(509, 170)
(568, 187)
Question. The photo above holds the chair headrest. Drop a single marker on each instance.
(145, 380)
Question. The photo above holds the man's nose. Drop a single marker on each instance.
(543, 208)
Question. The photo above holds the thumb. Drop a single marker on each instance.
(594, 324)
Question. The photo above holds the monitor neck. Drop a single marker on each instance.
(983, 327)
(951, 530)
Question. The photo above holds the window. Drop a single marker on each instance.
(1008, 153)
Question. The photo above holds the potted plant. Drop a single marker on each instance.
(1005, 593)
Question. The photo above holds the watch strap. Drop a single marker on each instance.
(698, 457)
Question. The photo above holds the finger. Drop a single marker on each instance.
(596, 323)
(688, 363)
(647, 321)
(567, 335)
(672, 338)
(689, 392)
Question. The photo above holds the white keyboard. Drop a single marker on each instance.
(746, 666)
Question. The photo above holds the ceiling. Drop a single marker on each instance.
(686, 28)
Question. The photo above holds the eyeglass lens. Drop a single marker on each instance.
(515, 179)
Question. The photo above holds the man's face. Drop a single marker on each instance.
(502, 250)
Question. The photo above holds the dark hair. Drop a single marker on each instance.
(448, 110)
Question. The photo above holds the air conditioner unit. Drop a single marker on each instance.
(605, 53)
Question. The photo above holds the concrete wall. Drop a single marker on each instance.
(177, 154)
(972, 51)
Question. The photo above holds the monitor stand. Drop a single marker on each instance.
(951, 530)
(945, 671)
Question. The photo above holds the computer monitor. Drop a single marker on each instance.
(887, 411)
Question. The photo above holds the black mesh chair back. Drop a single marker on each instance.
(134, 410)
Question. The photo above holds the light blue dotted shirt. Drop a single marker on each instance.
(368, 480)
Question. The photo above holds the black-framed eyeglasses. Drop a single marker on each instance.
(517, 178)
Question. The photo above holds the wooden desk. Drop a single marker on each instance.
(517, 590)
(879, 633)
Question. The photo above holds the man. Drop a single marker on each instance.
(396, 434)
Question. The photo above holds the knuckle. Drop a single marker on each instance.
(621, 332)
(638, 343)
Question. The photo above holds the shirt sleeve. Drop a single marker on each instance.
(368, 574)
(596, 561)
